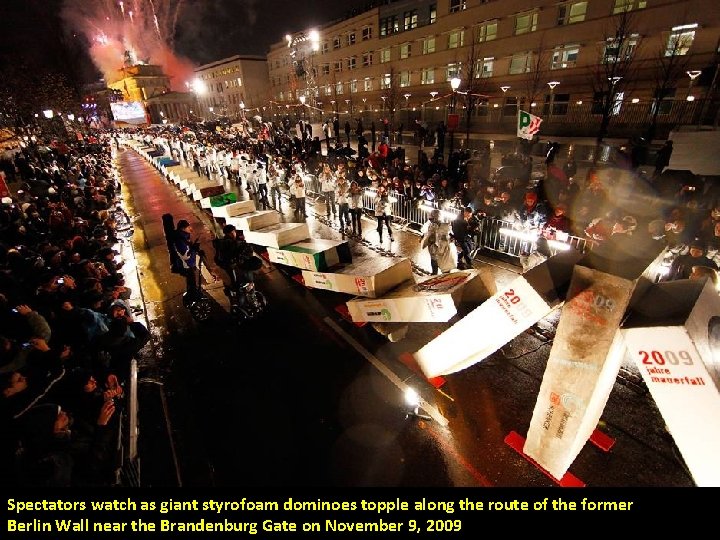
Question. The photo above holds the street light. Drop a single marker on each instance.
(693, 74)
(48, 113)
(454, 84)
(552, 85)
(433, 94)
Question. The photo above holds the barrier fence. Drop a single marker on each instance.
(502, 237)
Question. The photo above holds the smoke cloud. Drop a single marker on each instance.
(130, 30)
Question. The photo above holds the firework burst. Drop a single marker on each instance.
(138, 30)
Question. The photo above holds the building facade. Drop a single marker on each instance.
(570, 62)
(231, 87)
(150, 85)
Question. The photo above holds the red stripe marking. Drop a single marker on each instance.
(517, 442)
(602, 440)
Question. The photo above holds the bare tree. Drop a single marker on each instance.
(614, 69)
(391, 93)
(473, 83)
(534, 83)
(671, 63)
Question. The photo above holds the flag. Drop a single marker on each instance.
(528, 125)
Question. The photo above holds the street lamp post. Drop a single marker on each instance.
(454, 84)
(693, 74)
(407, 109)
(552, 85)
(302, 102)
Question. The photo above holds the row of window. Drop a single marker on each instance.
(563, 56)
(525, 22)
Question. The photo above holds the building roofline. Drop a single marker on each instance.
(241, 57)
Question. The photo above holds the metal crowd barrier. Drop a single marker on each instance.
(495, 235)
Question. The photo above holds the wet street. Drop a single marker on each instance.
(303, 397)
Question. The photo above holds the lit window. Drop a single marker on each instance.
(680, 40)
(620, 50)
(428, 45)
(368, 85)
(457, 5)
(487, 32)
(328, 90)
(520, 63)
(367, 33)
(405, 50)
(386, 81)
(427, 76)
(484, 67)
(384, 55)
(571, 13)
(453, 70)
(433, 13)
(565, 56)
(456, 39)
(526, 22)
(339, 88)
(353, 86)
(410, 20)
(404, 78)
(628, 5)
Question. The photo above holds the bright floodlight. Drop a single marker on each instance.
(71, 117)
(412, 398)
(48, 113)
(314, 36)
(455, 83)
(302, 99)
(199, 87)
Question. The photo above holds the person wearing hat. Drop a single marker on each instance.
(681, 267)
(59, 452)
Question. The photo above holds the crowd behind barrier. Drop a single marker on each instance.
(524, 209)
(68, 333)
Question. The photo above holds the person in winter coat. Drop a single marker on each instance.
(383, 212)
(436, 238)
(356, 206)
(342, 192)
(297, 190)
(327, 186)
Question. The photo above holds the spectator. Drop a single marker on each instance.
(682, 266)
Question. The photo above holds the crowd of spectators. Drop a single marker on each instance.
(67, 331)
(547, 196)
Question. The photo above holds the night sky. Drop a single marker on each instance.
(207, 30)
